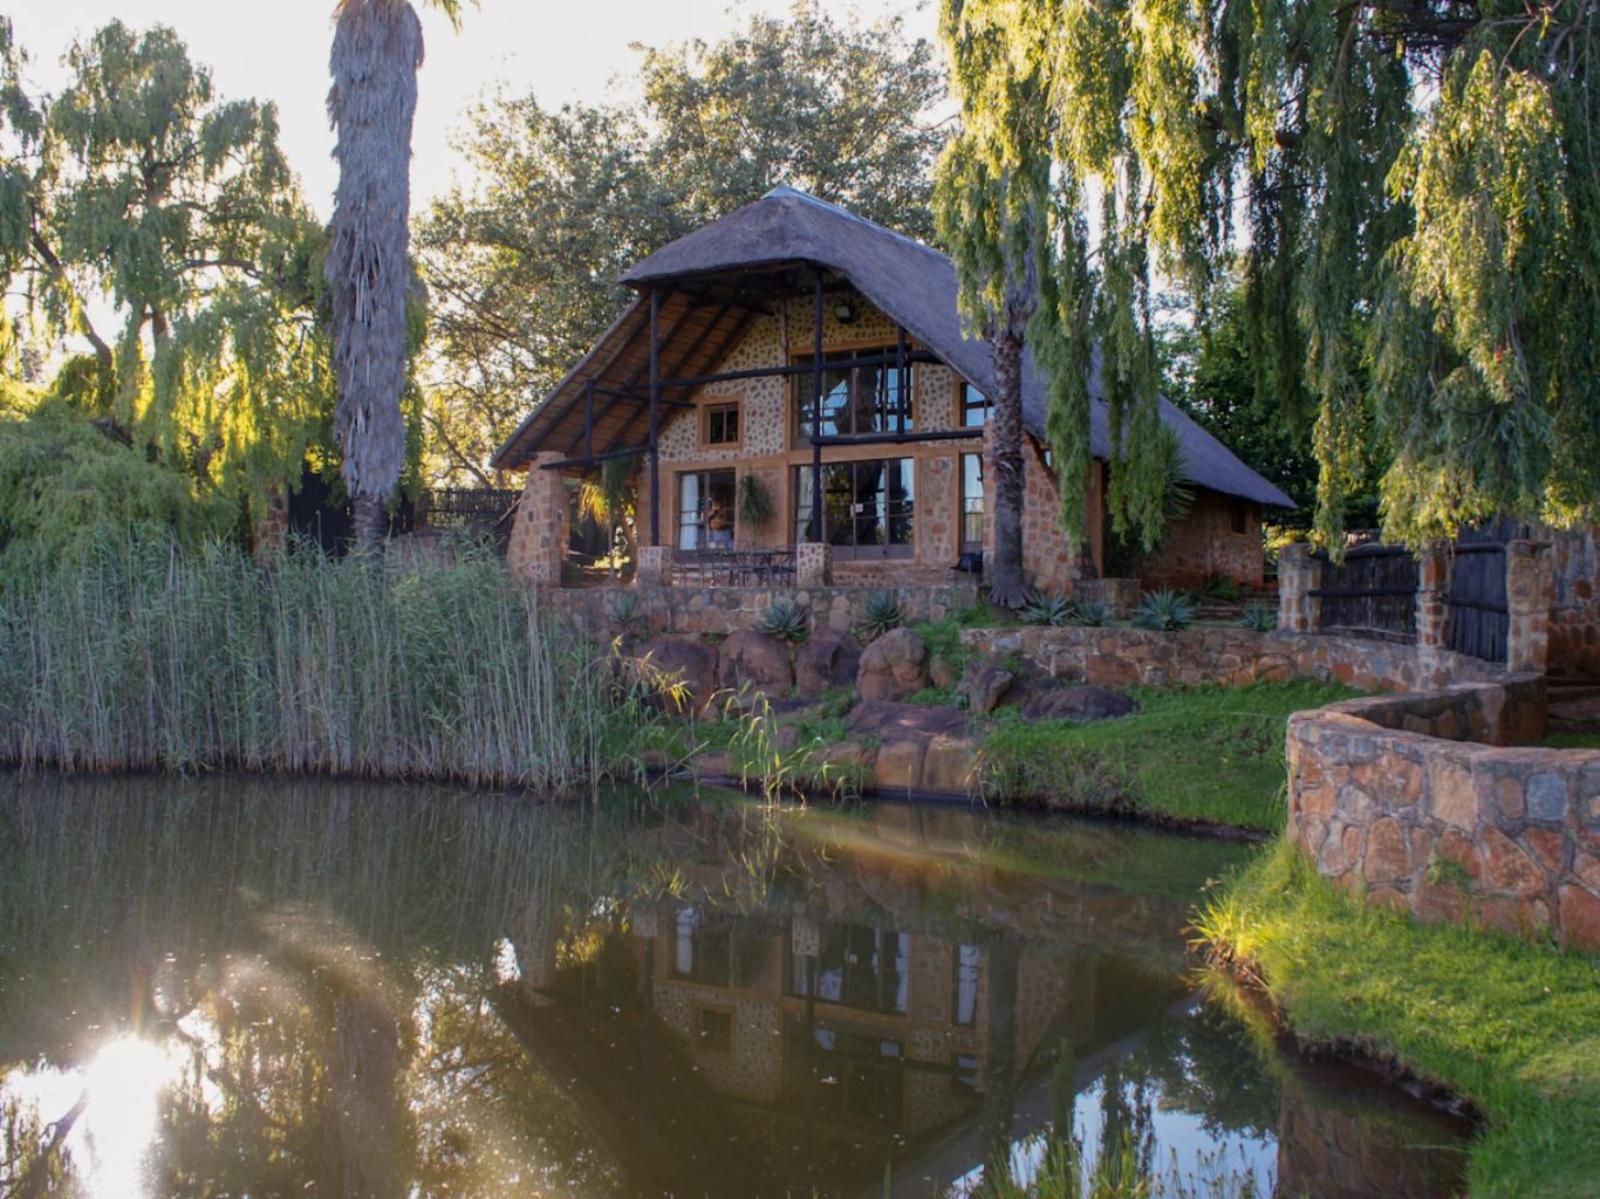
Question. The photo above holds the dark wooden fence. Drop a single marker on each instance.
(486, 511)
(1372, 593)
(1480, 619)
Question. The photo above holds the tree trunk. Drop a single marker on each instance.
(368, 521)
(1008, 587)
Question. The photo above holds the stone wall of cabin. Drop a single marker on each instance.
(1575, 603)
(1221, 535)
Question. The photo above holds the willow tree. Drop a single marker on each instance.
(377, 52)
(138, 198)
(1414, 189)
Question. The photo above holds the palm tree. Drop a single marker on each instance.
(377, 50)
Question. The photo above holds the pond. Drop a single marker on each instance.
(235, 986)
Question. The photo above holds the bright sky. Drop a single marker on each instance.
(279, 51)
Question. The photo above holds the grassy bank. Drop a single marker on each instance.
(1513, 1027)
(1210, 755)
(150, 658)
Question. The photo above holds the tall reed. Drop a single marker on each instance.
(147, 657)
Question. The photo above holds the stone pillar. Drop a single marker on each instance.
(813, 565)
(652, 571)
(1530, 586)
(1299, 574)
(1433, 615)
(538, 544)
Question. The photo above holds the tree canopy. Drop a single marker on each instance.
(140, 188)
(522, 266)
(1415, 191)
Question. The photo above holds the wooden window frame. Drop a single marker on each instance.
(719, 404)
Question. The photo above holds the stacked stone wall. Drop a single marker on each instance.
(1235, 657)
(696, 611)
(1221, 536)
(1575, 603)
(1401, 802)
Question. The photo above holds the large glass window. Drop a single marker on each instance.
(975, 407)
(868, 508)
(865, 399)
(705, 510)
(856, 967)
(971, 502)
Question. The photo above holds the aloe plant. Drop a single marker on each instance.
(1052, 610)
(786, 621)
(1091, 613)
(881, 614)
(1166, 611)
(1262, 618)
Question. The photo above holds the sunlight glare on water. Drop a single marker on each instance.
(124, 1083)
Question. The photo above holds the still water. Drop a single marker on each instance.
(234, 987)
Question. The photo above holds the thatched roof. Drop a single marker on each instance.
(911, 283)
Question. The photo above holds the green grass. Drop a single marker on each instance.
(1512, 1026)
(1571, 741)
(1201, 755)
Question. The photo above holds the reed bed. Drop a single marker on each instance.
(148, 657)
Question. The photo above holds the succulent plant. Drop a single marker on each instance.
(1053, 610)
(1260, 617)
(882, 613)
(785, 621)
(1092, 613)
(1166, 611)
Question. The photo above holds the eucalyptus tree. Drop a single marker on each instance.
(377, 52)
(522, 266)
(138, 190)
(1416, 190)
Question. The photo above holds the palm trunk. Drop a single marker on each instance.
(1008, 586)
(368, 520)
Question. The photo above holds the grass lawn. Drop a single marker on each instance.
(1201, 754)
(1512, 1026)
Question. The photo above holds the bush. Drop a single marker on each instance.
(1165, 611)
(786, 621)
(1092, 614)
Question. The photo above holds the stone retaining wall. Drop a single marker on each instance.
(694, 611)
(1123, 657)
(1399, 799)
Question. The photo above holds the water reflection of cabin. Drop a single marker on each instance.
(885, 1034)
(795, 348)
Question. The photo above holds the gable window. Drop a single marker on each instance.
(722, 424)
(855, 401)
(705, 510)
(975, 407)
(1240, 515)
(868, 508)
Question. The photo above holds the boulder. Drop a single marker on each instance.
(826, 661)
(682, 675)
(949, 764)
(893, 667)
(749, 657)
(984, 685)
(887, 722)
(942, 674)
(1077, 703)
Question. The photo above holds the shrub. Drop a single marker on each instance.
(1052, 610)
(882, 613)
(1222, 589)
(1259, 617)
(755, 501)
(785, 620)
(1165, 611)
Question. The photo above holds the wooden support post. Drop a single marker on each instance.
(588, 419)
(655, 404)
(815, 527)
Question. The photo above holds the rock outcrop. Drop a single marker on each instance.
(893, 667)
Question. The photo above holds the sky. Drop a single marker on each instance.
(567, 50)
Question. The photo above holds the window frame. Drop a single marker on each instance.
(965, 501)
(724, 408)
(886, 406)
(967, 405)
(704, 475)
(889, 515)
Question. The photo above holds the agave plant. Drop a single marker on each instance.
(786, 621)
(1092, 613)
(1052, 610)
(1166, 611)
(881, 614)
(1262, 618)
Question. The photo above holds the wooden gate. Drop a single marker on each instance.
(1479, 617)
(1372, 593)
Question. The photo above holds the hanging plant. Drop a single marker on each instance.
(755, 501)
